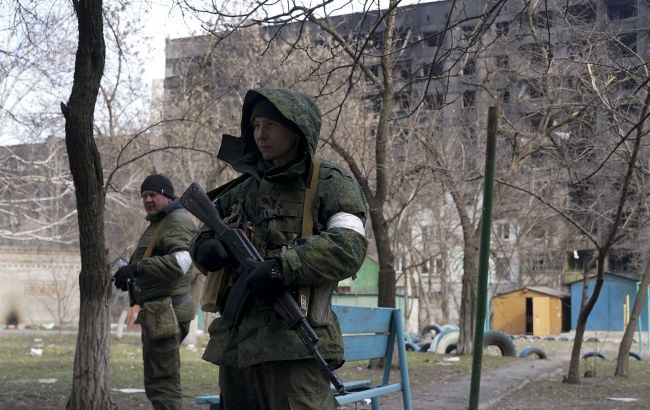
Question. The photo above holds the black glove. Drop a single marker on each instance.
(266, 282)
(123, 275)
(210, 254)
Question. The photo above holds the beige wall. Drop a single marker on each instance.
(40, 286)
(509, 313)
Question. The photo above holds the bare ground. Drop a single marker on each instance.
(436, 381)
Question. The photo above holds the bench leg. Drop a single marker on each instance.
(375, 403)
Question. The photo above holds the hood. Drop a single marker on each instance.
(242, 153)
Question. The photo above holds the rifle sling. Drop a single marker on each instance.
(308, 224)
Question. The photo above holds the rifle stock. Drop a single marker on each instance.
(196, 201)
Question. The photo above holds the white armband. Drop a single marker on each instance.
(184, 260)
(347, 221)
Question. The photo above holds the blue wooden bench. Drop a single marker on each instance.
(368, 333)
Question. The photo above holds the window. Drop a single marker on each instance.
(620, 9)
(502, 268)
(404, 101)
(375, 101)
(538, 232)
(434, 70)
(377, 39)
(577, 50)
(504, 230)
(542, 19)
(582, 13)
(538, 54)
(535, 121)
(433, 39)
(403, 69)
(502, 28)
(432, 266)
(537, 263)
(467, 32)
(469, 98)
(433, 101)
(624, 45)
(470, 67)
(502, 61)
(576, 259)
(533, 88)
(504, 95)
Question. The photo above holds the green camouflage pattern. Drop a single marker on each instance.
(159, 275)
(272, 201)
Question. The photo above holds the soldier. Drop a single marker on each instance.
(158, 278)
(262, 363)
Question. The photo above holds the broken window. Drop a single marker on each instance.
(502, 28)
(502, 268)
(624, 45)
(581, 13)
(620, 9)
(504, 95)
(433, 101)
(502, 61)
(470, 67)
(542, 19)
(469, 98)
(433, 39)
(434, 70)
(467, 32)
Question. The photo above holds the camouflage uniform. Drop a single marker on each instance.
(158, 276)
(271, 200)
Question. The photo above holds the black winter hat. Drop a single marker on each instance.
(265, 108)
(158, 183)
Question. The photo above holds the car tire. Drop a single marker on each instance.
(428, 328)
(442, 341)
(533, 350)
(592, 354)
(502, 341)
(636, 355)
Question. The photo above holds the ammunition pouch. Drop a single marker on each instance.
(159, 318)
(318, 302)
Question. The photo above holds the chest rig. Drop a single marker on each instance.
(283, 214)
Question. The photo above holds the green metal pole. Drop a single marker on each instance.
(638, 322)
(484, 257)
(647, 317)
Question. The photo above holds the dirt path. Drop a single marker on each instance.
(453, 393)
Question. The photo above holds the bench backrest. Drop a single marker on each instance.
(370, 333)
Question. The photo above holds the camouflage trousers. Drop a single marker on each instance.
(284, 385)
(162, 369)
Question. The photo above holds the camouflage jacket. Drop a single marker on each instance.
(271, 200)
(160, 275)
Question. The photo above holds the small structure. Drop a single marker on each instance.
(534, 310)
(362, 289)
(615, 300)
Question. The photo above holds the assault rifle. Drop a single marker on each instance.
(196, 201)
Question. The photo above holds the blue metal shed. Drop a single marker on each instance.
(608, 312)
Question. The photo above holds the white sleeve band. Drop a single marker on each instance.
(347, 221)
(184, 260)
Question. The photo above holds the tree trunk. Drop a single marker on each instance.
(622, 360)
(386, 296)
(467, 322)
(573, 376)
(91, 373)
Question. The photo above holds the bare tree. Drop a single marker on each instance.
(366, 46)
(90, 388)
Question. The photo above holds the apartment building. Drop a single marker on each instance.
(552, 71)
